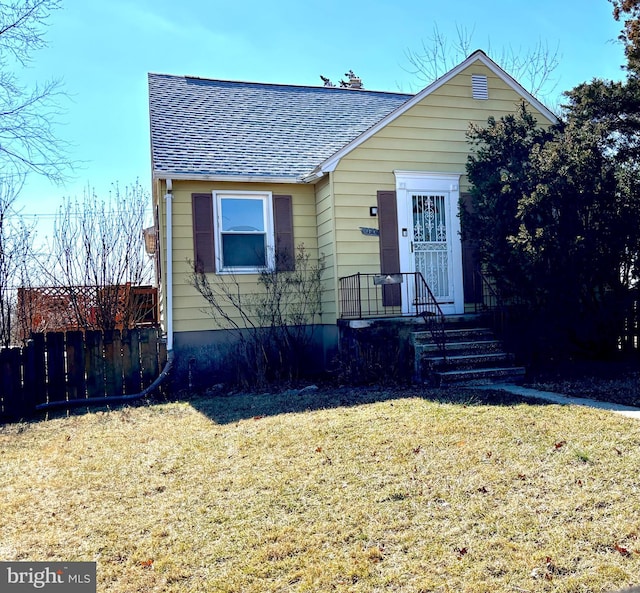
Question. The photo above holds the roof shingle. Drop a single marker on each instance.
(203, 127)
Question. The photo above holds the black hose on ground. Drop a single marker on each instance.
(117, 399)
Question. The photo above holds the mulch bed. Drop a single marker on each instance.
(617, 382)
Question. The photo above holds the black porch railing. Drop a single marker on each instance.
(489, 299)
(490, 302)
(365, 296)
(505, 315)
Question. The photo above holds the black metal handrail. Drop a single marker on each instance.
(364, 296)
(490, 300)
(493, 304)
(432, 314)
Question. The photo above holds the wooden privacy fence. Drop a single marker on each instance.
(74, 366)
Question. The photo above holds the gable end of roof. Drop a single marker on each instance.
(477, 56)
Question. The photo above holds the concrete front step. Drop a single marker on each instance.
(464, 320)
(479, 376)
(475, 347)
(471, 356)
(465, 361)
(454, 335)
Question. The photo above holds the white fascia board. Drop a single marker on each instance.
(222, 178)
(478, 56)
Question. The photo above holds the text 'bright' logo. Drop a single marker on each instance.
(18, 577)
(38, 578)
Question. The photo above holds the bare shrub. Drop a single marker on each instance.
(273, 325)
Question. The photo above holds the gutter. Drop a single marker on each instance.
(314, 176)
(91, 401)
(160, 175)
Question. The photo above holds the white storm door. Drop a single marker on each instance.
(432, 249)
(429, 236)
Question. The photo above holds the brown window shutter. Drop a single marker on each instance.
(389, 248)
(203, 239)
(283, 229)
(470, 259)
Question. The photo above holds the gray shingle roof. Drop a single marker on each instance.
(212, 127)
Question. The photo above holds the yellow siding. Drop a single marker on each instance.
(189, 311)
(325, 222)
(431, 137)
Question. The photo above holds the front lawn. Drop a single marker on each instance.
(329, 491)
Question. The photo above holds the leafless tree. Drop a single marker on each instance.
(15, 250)
(98, 255)
(28, 144)
(28, 115)
(532, 67)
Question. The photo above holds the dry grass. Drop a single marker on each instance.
(400, 494)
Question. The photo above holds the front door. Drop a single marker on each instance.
(431, 245)
(429, 231)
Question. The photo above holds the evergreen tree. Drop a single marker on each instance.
(556, 212)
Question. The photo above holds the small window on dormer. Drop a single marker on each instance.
(479, 86)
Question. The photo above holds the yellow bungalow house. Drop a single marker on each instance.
(370, 180)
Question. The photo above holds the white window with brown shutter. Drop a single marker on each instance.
(242, 231)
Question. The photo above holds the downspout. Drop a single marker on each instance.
(169, 305)
(91, 401)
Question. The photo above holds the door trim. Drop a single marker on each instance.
(408, 183)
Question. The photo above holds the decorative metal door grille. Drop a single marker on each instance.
(430, 247)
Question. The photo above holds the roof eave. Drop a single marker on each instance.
(223, 178)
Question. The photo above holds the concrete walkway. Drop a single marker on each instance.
(556, 398)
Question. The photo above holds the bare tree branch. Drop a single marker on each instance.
(533, 67)
(28, 116)
(98, 254)
(15, 251)
(272, 323)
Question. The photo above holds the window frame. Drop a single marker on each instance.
(266, 197)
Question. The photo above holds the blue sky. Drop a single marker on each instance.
(102, 50)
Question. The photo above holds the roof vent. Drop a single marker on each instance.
(479, 86)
